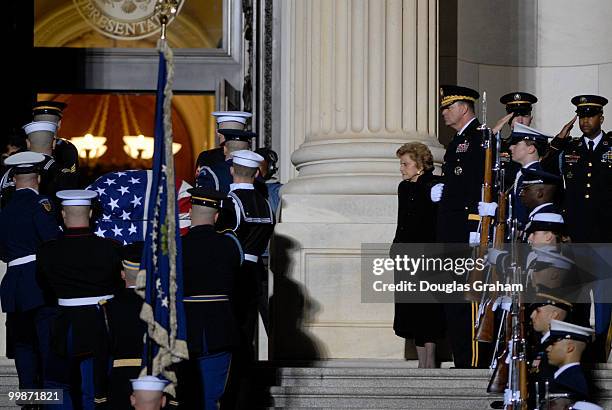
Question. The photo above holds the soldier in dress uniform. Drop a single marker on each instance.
(251, 218)
(26, 222)
(41, 139)
(64, 151)
(458, 196)
(585, 164)
(82, 271)
(211, 263)
(126, 329)
(539, 192)
(233, 120)
(565, 343)
(217, 176)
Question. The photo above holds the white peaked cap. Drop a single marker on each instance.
(40, 126)
(585, 405)
(150, 383)
(237, 116)
(24, 159)
(247, 158)
(73, 197)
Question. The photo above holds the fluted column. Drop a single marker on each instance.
(363, 81)
(358, 79)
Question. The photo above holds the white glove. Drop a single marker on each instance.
(436, 192)
(493, 254)
(487, 208)
(474, 239)
(505, 302)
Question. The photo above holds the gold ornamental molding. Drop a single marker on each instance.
(123, 19)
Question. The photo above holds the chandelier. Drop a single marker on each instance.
(137, 146)
(91, 145)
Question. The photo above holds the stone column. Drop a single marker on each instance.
(555, 49)
(358, 79)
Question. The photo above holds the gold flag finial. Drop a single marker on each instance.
(166, 9)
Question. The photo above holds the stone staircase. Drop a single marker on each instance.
(383, 384)
(8, 382)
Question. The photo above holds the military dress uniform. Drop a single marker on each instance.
(82, 271)
(211, 264)
(587, 176)
(127, 334)
(26, 222)
(462, 176)
(216, 175)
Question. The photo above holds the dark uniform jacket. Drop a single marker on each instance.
(588, 186)
(26, 222)
(213, 172)
(210, 157)
(80, 265)
(463, 174)
(572, 380)
(53, 178)
(518, 209)
(127, 333)
(211, 262)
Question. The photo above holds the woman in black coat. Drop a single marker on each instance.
(416, 223)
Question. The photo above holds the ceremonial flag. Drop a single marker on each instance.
(161, 268)
(123, 199)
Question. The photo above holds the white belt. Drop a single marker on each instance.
(83, 301)
(22, 261)
(252, 258)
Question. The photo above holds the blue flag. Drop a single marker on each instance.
(161, 267)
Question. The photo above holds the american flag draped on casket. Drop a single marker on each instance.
(123, 197)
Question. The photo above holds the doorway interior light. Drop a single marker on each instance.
(141, 147)
(91, 145)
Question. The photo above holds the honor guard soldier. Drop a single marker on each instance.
(585, 164)
(458, 196)
(538, 192)
(127, 330)
(519, 106)
(565, 343)
(233, 120)
(82, 271)
(547, 305)
(64, 151)
(148, 393)
(251, 218)
(211, 263)
(217, 176)
(25, 223)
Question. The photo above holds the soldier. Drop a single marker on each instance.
(26, 222)
(148, 393)
(235, 120)
(126, 329)
(565, 343)
(82, 271)
(211, 262)
(458, 196)
(217, 176)
(64, 151)
(538, 192)
(585, 164)
(251, 218)
(264, 182)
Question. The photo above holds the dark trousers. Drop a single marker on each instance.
(467, 352)
(29, 334)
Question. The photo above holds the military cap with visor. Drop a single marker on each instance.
(589, 105)
(450, 94)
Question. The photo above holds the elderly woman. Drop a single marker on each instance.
(416, 223)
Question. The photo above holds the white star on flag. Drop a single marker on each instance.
(113, 203)
(109, 181)
(124, 190)
(132, 229)
(164, 302)
(100, 232)
(106, 217)
(125, 216)
(136, 201)
(134, 180)
(117, 231)
(100, 191)
(120, 174)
